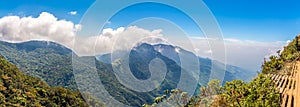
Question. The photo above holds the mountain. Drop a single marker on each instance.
(18, 89)
(174, 53)
(231, 72)
(47, 60)
(53, 64)
(139, 61)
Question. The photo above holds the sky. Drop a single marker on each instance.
(261, 20)
(252, 29)
(35, 7)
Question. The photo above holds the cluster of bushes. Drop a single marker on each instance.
(274, 64)
(260, 92)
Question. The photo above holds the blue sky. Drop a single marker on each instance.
(59, 8)
(262, 20)
(254, 26)
(268, 20)
(155, 10)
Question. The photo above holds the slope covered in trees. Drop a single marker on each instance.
(259, 92)
(49, 61)
(18, 89)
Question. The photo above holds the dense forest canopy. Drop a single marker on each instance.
(18, 89)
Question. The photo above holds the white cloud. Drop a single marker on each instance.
(125, 39)
(44, 27)
(49, 28)
(121, 39)
(72, 13)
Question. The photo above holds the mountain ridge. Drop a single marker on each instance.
(170, 52)
(55, 68)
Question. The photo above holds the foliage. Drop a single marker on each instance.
(47, 60)
(234, 92)
(178, 98)
(260, 92)
(18, 89)
(209, 92)
(273, 65)
(175, 97)
(290, 53)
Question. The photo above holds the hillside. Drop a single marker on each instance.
(47, 60)
(18, 89)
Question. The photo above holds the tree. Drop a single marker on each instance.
(262, 92)
(234, 92)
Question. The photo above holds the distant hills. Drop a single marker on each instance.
(53, 63)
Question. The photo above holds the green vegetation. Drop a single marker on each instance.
(260, 92)
(273, 65)
(18, 89)
(49, 61)
(289, 54)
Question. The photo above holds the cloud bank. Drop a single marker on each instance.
(45, 27)
(121, 39)
(49, 28)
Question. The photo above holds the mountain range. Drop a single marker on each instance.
(52, 63)
(175, 53)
